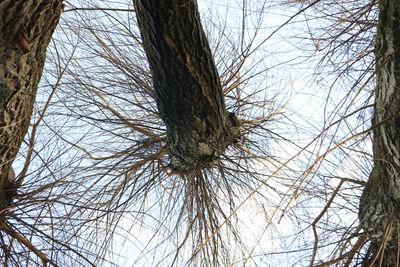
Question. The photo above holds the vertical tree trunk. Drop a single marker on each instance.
(26, 27)
(380, 202)
(188, 90)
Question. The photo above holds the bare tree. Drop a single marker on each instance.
(25, 36)
(379, 202)
(187, 207)
(188, 89)
(170, 146)
(131, 171)
(26, 30)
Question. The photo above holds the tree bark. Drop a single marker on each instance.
(26, 27)
(188, 90)
(380, 202)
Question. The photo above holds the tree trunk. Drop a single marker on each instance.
(188, 90)
(26, 27)
(380, 202)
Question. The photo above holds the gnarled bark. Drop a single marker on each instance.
(188, 90)
(26, 27)
(380, 201)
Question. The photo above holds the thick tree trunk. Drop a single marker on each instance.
(380, 202)
(26, 27)
(188, 90)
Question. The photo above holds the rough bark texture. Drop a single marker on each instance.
(381, 197)
(26, 27)
(188, 90)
